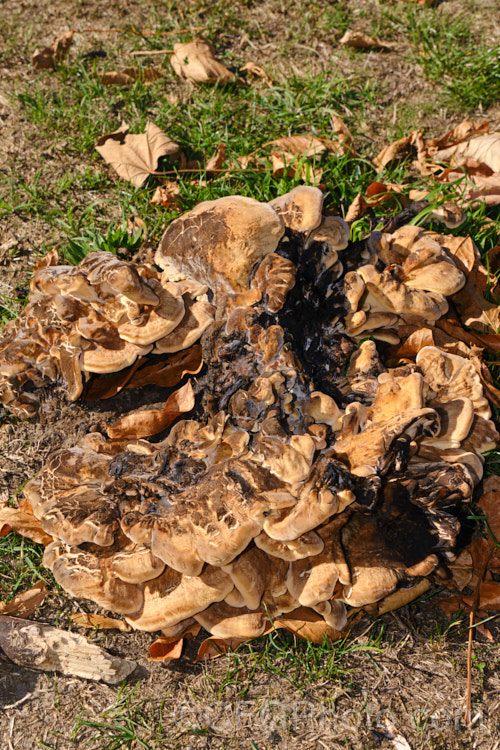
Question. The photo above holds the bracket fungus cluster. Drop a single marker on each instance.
(311, 474)
(97, 317)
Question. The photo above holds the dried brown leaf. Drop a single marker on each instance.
(215, 163)
(170, 372)
(307, 624)
(255, 70)
(89, 620)
(305, 145)
(357, 209)
(474, 309)
(24, 604)
(345, 144)
(135, 156)
(107, 386)
(414, 342)
(460, 132)
(195, 61)
(49, 57)
(490, 504)
(152, 421)
(483, 148)
(168, 195)
(394, 150)
(489, 596)
(359, 40)
(166, 648)
(24, 523)
(130, 75)
(213, 647)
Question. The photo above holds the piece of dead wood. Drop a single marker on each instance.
(39, 646)
(48, 57)
(134, 157)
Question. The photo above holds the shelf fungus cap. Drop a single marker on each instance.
(105, 270)
(173, 597)
(219, 242)
(300, 209)
(198, 316)
(225, 621)
(88, 574)
(161, 319)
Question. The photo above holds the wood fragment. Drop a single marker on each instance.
(39, 646)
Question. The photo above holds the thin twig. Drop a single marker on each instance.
(150, 52)
(137, 32)
(468, 697)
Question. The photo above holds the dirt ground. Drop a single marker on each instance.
(406, 671)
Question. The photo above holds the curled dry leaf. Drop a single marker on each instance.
(305, 145)
(363, 41)
(490, 505)
(213, 647)
(153, 421)
(24, 523)
(357, 209)
(345, 143)
(457, 134)
(48, 57)
(166, 649)
(195, 61)
(130, 75)
(489, 596)
(394, 150)
(168, 195)
(89, 620)
(134, 157)
(255, 70)
(170, 372)
(309, 625)
(24, 604)
(108, 386)
(215, 163)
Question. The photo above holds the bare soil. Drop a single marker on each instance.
(415, 677)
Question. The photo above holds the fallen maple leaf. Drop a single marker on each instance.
(24, 604)
(48, 57)
(255, 70)
(363, 41)
(24, 523)
(195, 61)
(483, 148)
(167, 195)
(152, 421)
(89, 620)
(130, 75)
(134, 157)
